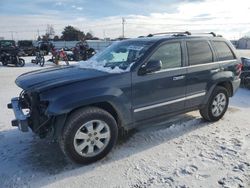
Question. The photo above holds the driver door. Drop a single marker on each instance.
(162, 92)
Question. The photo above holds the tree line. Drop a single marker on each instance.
(69, 33)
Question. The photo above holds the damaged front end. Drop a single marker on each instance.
(30, 112)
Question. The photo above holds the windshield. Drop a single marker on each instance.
(119, 56)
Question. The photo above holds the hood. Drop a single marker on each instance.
(54, 77)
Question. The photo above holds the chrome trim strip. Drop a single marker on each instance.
(191, 66)
(169, 102)
(195, 95)
(170, 69)
(212, 63)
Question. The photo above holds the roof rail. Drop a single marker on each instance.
(210, 33)
(184, 33)
(173, 33)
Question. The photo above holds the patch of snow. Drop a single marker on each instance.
(92, 64)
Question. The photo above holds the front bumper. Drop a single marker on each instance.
(21, 120)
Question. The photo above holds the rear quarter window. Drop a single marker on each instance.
(199, 52)
(223, 51)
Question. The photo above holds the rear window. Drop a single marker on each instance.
(199, 52)
(223, 51)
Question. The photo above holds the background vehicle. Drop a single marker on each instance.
(82, 51)
(245, 75)
(130, 83)
(59, 55)
(45, 46)
(70, 55)
(39, 58)
(14, 59)
(9, 53)
(26, 47)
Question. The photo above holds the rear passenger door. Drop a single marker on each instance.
(201, 68)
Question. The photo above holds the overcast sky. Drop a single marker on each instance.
(24, 19)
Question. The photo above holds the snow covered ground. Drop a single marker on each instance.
(182, 152)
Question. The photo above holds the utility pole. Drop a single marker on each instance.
(104, 34)
(123, 24)
(12, 35)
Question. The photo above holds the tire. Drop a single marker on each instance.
(53, 59)
(76, 140)
(42, 61)
(21, 63)
(66, 60)
(4, 63)
(209, 112)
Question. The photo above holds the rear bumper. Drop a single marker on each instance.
(21, 120)
(236, 85)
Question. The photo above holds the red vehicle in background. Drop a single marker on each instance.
(59, 55)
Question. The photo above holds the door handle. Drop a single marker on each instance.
(215, 70)
(178, 77)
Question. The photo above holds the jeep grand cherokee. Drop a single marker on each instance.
(132, 82)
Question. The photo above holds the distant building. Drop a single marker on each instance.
(234, 42)
(243, 43)
(98, 45)
(1, 38)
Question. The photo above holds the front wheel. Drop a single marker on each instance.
(89, 135)
(20, 63)
(216, 106)
(41, 61)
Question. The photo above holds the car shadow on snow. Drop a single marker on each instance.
(45, 157)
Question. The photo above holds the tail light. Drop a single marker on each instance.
(239, 68)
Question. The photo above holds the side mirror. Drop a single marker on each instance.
(151, 66)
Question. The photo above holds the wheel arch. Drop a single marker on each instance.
(223, 83)
(228, 86)
(104, 105)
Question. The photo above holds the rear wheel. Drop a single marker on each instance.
(89, 135)
(20, 63)
(217, 105)
(42, 61)
(4, 63)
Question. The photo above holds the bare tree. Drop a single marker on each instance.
(50, 32)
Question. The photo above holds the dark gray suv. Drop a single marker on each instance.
(132, 82)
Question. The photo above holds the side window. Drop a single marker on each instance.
(224, 52)
(199, 52)
(169, 55)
